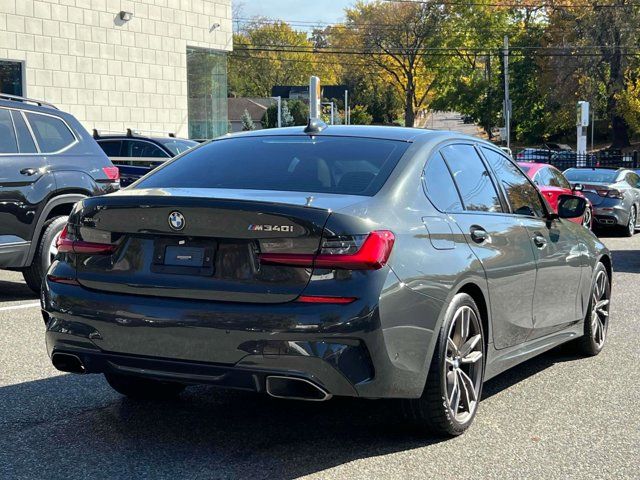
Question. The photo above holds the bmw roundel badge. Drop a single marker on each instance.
(176, 221)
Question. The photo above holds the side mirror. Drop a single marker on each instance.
(571, 206)
(578, 187)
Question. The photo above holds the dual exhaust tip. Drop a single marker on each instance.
(276, 386)
(295, 389)
(67, 362)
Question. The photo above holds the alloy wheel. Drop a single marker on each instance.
(463, 364)
(586, 218)
(600, 309)
(632, 221)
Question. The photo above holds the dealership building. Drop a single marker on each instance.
(148, 65)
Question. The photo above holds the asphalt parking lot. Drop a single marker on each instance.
(557, 416)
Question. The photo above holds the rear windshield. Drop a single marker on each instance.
(345, 165)
(589, 175)
(176, 147)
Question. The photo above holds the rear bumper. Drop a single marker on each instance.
(340, 348)
(615, 215)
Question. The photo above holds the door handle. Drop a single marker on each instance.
(29, 171)
(478, 234)
(540, 241)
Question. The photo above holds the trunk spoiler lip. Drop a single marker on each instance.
(201, 197)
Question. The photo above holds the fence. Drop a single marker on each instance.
(567, 159)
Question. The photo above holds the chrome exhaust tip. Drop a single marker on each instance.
(295, 389)
(67, 362)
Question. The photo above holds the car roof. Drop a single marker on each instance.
(534, 167)
(403, 134)
(140, 137)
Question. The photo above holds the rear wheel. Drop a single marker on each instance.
(143, 388)
(46, 252)
(596, 322)
(631, 225)
(451, 395)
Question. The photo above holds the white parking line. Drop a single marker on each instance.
(19, 307)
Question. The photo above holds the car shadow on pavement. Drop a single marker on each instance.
(563, 353)
(12, 291)
(626, 261)
(76, 426)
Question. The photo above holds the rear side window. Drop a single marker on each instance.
(51, 133)
(472, 178)
(522, 195)
(136, 148)
(440, 187)
(323, 164)
(111, 147)
(8, 143)
(558, 180)
(25, 140)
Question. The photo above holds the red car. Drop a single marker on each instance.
(552, 183)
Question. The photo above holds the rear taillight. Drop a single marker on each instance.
(349, 252)
(67, 244)
(112, 173)
(609, 193)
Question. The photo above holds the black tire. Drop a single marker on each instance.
(432, 410)
(143, 388)
(588, 343)
(630, 229)
(34, 274)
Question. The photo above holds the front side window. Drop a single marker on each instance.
(323, 164)
(8, 142)
(472, 178)
(51, 133)
(522, 195)
(440, 187)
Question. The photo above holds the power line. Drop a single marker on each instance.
(550, 5)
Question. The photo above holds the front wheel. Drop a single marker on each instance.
(46, 252)
(451, 395)
(143, 388)
(586, 219)
(596, 322)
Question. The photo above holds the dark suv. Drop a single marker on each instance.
(48, 162)
(136, 154)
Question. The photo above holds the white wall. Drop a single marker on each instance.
(112, 75)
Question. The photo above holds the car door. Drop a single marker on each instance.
(558, 251)
(20, 168)
(498, 240)
(633, 181)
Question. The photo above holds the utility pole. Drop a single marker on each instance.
(507, 101)
(346, 107)
(279, 111)
(593, 122)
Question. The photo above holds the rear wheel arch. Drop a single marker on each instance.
(475, 292)
(606, 261)
(55, 207)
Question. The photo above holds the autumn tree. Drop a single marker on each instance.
(396, 38)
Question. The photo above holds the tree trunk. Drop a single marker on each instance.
(409, 113)
(619, 132)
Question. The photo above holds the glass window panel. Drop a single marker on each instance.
(439, 186)
(8, 142)
(11, 78)
(51, 133)
(25, 141)
(207, 91)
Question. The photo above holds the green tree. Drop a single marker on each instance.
(247, 121)
(360, 116)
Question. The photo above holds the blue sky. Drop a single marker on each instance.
(325, 11)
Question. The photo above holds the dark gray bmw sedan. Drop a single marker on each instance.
(370, 262)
